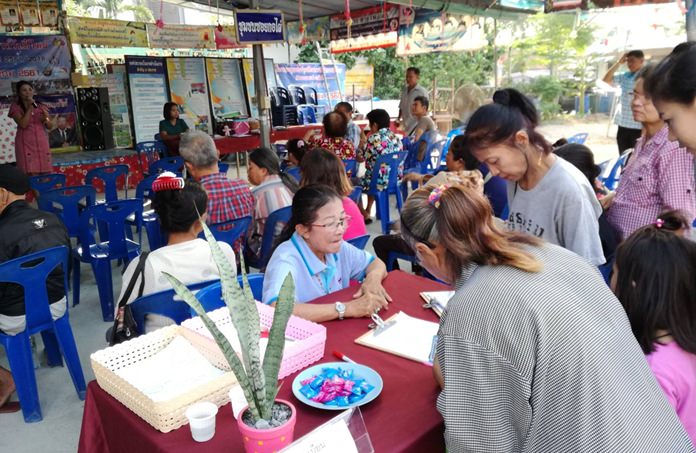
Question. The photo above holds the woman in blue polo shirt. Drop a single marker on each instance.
(313, 251)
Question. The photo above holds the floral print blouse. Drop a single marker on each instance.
(384, 141)
(342, 147)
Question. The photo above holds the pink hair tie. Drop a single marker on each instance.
(167, 181)
(300, 143)
(434, 197)
(659, 223)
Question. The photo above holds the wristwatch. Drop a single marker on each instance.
(341, 309)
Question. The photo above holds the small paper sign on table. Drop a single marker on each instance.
(345, 433)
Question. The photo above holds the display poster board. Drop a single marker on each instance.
(226, 86)
(147, 81)
(43, 60)
(188, 89)
(271, 82)
(118, 94)
(107, 32)
(432, 31)
(181, 36)
(310, 75)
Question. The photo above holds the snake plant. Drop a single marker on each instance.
(259, 382)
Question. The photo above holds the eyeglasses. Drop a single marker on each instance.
(336, 224)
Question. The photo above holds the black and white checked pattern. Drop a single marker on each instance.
(547, 362)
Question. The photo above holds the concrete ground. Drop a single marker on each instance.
(62, 410)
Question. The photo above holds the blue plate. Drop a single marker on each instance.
(359, 372)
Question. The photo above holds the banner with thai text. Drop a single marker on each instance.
(441, 32)
(42, 60)
(147, 83)
(310, 75)
(189, 89)
(259, 26)
(107, 32)
(181, 37)
(368, 21)
(226, 37)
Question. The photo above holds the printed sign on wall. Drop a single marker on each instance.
(259, 26)
(147, 81)
(107, 32)
(188, 89)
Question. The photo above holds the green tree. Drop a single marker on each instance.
(111, 9)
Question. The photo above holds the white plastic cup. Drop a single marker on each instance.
(201, 417)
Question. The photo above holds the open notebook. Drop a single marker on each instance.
(405, 336)
(437, 300)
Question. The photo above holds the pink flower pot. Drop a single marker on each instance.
(268, 440)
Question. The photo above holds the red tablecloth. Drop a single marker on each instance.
(231, 145)
(76, 165)
(402, 418)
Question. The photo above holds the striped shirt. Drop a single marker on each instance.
(625, 117)
(270, 196)
(547, 362)
(659, 177)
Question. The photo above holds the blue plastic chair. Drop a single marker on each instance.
(164, 303)
(393, 160)
(30, 272)
(294, 172)
(99, 251)
(448, 141)
(67, 203)
(152, 151)
(360, 241)
(110, 175)
(281, 215)
(351, 167)
(579, 138)
(356, 194)
(150, 220)
(42, 183)
(425, 166)
(175, 164)
(230, 231)
(393, 256)
(223, 167)
(211, 296)
(611, 180)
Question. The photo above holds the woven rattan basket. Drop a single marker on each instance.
(167, 415)
(307, 347)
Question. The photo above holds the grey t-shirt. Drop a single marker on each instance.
(405, 103)
(562, 209)
(426, 124)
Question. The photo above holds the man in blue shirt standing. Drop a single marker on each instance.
(629, 129)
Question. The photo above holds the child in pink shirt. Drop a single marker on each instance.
(654, 280)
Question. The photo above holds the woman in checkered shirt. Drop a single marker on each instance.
(534, 352)
(659, 175)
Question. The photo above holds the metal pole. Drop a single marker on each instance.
(495, 54)
(261, 86)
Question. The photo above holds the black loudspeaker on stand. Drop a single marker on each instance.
(95, 118)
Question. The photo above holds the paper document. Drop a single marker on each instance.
(438, 299)
(407, 337)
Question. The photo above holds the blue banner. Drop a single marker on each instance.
(309, 75)
(259, 26)
(42, 60)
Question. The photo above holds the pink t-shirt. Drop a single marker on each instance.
(675, 370)
(357, 222)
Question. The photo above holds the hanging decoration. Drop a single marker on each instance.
(160, 22)
(219, 25)
(349, 20)
(302, 24)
